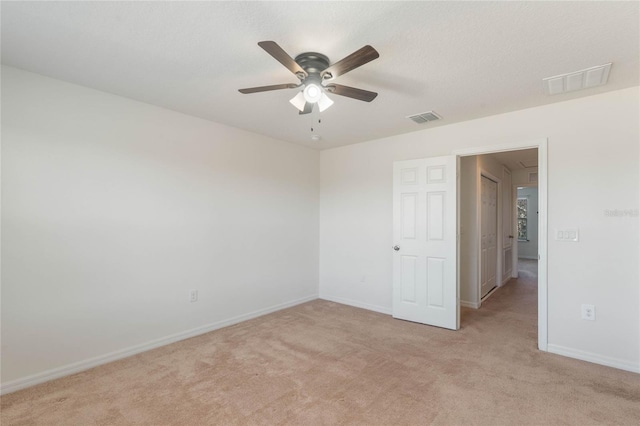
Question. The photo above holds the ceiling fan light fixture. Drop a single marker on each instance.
(312, 69)
(324, 102)
(312, 93)
(298, 101)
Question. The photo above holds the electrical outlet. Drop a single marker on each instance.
(193, 296)
(588, 312)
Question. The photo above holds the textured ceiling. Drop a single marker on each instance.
(463, 60)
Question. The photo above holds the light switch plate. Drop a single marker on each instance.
(571, 235)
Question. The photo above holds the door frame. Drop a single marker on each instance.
(541, 145)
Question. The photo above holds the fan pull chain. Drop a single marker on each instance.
(314, 136)
(319, 122)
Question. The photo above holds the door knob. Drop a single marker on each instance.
(396, 247)
(511, 236)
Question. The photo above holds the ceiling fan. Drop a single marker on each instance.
(315, 75)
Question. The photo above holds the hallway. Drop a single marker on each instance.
(514, 306)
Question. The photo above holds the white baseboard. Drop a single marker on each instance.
(474, 305)
(83, 365)
(595, 358)
(357, 304)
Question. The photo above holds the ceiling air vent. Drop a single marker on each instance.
(424, 117)
(578, 80)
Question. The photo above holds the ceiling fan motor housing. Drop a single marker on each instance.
(313, 63)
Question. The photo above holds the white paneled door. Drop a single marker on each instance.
(425, 244)
(488, 235)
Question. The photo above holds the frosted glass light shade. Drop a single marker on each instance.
(298, 101)
(324, 102)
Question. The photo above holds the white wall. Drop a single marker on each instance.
(599, 154)
(529, 249)
(114, 209)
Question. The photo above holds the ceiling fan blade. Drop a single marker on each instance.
(267, 88)
(308, 107)
(351, 92)
(273, 49)
(353, 61)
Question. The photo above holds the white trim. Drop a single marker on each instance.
(595, 358)
(86, 364)
(485, 173)
(458, 239)
(541, 144)
(356, 304)
(513, 146)
(473, 305)
(543, 302)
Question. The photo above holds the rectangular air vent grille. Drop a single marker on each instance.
(578, 80)
(424, 117)
(533, 177)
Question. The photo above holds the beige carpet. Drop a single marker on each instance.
(325, 363)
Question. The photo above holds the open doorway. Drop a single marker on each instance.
(494, 218)
(485, 247)
(526, 223)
